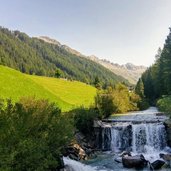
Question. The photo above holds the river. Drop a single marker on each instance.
(140, 132)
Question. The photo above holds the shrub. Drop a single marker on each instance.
(104, 103)
(32, 134)
(143, 104)
(164, 104)
(84, 119)
(116, 100)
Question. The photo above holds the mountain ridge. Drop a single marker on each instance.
(129, 71)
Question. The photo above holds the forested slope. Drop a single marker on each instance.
(35, 56)
(155, 83)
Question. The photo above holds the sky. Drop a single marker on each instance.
(120, 31)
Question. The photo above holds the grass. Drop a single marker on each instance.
(67, 94)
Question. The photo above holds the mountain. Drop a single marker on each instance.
(129, 71)
(65, 47)
(44, 56)
(67, 94)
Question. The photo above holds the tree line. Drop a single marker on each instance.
(155, 82)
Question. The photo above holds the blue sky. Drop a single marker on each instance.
(118, 30)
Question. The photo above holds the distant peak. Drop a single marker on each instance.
(49, 40)
(131, 66)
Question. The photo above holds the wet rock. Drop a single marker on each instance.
(61, 164)
(134, 161)
(75, 152)
(160, 114)
(73, 157)
(168, 131)
(157, 164)
(98, 123)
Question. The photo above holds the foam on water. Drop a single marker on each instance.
(73, 165)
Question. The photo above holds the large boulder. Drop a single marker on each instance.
(134, 161)
(157, 164)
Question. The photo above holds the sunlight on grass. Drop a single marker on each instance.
(67, 94)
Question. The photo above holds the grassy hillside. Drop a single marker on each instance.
(67, 94)
(34, 56)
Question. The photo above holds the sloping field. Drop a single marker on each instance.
(67, 94)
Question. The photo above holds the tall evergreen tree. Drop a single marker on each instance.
(139, 89)
(157, 78)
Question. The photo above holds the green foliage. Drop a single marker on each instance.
(34, 56)
(32, 135)
(164, 104)
(104, 103)
(143, 104)
(139, 89)
(116, 100)
(134, 101)
(58, 73)
(67, 94)
(84, 119)
(157, 78)
(97, 83)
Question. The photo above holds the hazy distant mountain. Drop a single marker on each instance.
(129, 71)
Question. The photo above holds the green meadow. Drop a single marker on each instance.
(67, 94)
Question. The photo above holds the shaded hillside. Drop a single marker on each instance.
(67, 94)
(35, 56)
(128, 71)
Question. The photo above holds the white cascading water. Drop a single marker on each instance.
(147, 137)
(138, 138)
(72, 165)
(120, 134)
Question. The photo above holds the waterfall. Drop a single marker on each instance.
(72, 165)
(120, 137)
(106, 138)
(147, 137)
(138, 138)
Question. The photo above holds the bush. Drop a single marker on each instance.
(143, 104)
(164, 104)
(116, 100)
(84, 119)
(104, 103)
(32, 135)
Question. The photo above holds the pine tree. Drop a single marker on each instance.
(139, 89)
